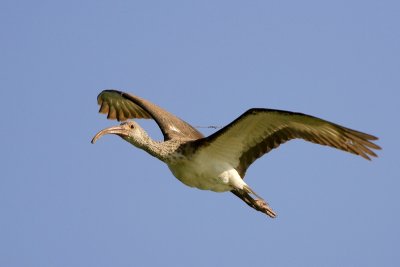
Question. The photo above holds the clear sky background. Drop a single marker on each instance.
(66, 202)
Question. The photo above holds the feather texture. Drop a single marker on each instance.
(122, 106)
(258, 131)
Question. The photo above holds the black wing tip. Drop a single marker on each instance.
(260, 110)
(110, 90)
(101, 94)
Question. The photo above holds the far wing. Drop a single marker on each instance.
(122, 106)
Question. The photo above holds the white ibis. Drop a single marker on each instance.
(219, 162)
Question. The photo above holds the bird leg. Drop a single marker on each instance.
(257, 204)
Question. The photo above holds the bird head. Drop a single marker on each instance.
(129, 131)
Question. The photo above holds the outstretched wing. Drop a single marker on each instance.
(258, 131)
(122, 106)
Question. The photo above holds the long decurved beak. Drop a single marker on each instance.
(119, 130)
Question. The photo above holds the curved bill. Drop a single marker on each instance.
(119, 130)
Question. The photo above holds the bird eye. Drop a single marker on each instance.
(132, 126)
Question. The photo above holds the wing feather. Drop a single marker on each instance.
(122, 106)
(258, 131)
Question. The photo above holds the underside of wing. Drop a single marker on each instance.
(258, 131)
(122, 106)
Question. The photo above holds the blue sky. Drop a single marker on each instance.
(66, 202)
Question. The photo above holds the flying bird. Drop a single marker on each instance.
(219, 162)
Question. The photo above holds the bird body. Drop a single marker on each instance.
(219, 162)
(206, 173)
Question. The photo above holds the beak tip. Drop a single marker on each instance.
(111, 130)
(94, 139)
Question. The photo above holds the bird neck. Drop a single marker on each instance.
(157, 149)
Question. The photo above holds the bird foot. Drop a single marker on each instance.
(264, 207)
